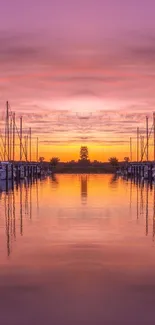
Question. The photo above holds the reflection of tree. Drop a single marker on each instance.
(54, 179)
(84, 190)
(114, 179)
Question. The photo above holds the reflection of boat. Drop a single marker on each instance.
(5, 170)
(5, 186)
(119, 172)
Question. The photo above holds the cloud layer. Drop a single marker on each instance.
(72, 88)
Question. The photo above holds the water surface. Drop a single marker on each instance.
(77, 249)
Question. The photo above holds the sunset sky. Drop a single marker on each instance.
(79, 72)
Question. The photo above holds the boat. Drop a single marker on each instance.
(153, 172)
(6, 170)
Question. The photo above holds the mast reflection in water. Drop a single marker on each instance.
(17, 203)
(70, 244)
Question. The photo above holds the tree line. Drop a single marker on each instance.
(83, 158)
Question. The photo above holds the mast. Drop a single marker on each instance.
(137, 144)
(13, 144)
(142, 146)
(8, 131)
(30, 135)
(26, 143)
(37, 150)
(6, 145)
(147, 139)
(21, 135)
(10, 154)
(131, 149)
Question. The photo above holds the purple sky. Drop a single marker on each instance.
(77, 57)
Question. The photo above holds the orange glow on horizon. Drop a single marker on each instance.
(71, 152)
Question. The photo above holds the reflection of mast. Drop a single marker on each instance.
(21, 210)
(25, 195)
(14, 216)
(26, 198)
(84, 188)
(25, 204)
(141, 199)
(147, 199)
(30, 200)
(130, 194)
(7, 222)
(37, 195)
(10, 207)
(137, 201)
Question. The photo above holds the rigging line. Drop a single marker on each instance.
(144, 152)
(5, 151)
(23, 149)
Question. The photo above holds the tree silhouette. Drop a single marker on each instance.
(84, 153)
(113, 161)
(54, 162)
(41, 159)
(126, 159)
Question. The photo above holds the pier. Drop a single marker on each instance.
(143, 166)
(16, 152)
(144, 170)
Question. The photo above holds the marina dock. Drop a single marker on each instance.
(141, 161)
(16, 151)
(144, 170)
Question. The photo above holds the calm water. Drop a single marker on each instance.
(77, 250)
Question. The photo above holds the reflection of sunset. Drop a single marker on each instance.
(76, 83)
(73, 237)
(58, 205)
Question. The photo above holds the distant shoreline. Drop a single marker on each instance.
(78, 168)
(83, 172)
(86, 170)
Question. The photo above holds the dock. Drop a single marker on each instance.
(143, 170)
(17, 157)
(141, 161)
